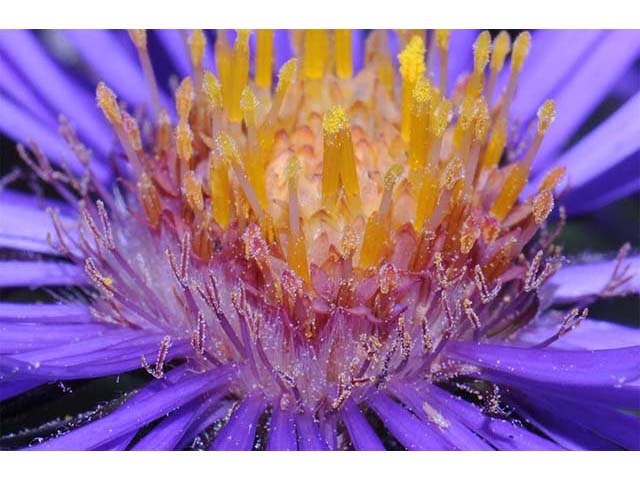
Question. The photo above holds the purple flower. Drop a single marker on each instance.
(356, 252)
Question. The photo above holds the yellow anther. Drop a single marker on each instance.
(108, 103)
(501, 48)
(551, 179)
(286, 77)
(442, 39)
(220, 188)
(316, 53)
(184, 137)
(521, 48)
(497, 143)
(293, 169)
(542, 206)
(481, 121)
(264, 58)
(197, 44)
(344, 64)
(453, 171)
(546, 116)
(213, 90)
(193, 191)
(296, 244)
(441, 117)
(184, 98)
(239, 76)
(149, 199)
(139, 38)
(132, 131)
(248, 104)
(481, 51)
(428, 197)
(164, 133)
(513, 185)
(419, 136)
(412, 67)
(338, 161)
(467, 111)
(392, 176)
(374, 243)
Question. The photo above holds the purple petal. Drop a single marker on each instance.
(309, 437)
(580, 426)
(9, 390)
(16, 88)
(176, 49)
(44, 313)
(614, 140)
(362, 435)
(500, 433)
(40, 274)
(282, 431)
(555, 56)
(408, 429)
(589, 335)
(22, 127)
(122, 72)
(610, 368)
(63, 93)
(240, 432)
(162, 397)
(450, 428)
(577, 281)
(168, 433)
(579, 96)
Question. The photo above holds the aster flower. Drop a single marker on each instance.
(356, 252)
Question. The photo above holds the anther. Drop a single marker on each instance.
(486, 294)
(158, 370)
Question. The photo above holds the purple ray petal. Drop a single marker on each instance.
(240, 432)
(460, 58)
(63, 93)
(595, 428)
(555, 56)
(20, 337)
(205, 417)
(8, 390)
(163, 397)
(309, 436)
(119, 444)
(282, 50)
(282, 431)
(579, 368)
(167, 434)
(44, 313)
(614, 140)
(362, 435)
(16, 88)
(40, 274)
(577, 281)
(617, 183)
(122, 72)
(589, 335)
(175, 47)
(450, 428)
(587, 87)
(502, 434)
(408, 429)
(22, 127)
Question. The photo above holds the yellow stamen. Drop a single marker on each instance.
(254, 164)
(238, 76)
(193, 191)
(519, 54)
(542, 206)
(428, 197)
(184, 139)
(108, 103)
(184, 98)
(264, 58)
(501, 48)
(551, 179)
(338, 161)
(223, 62)
(139, 38)
(374, 244)
(496, 145)
(316, 53)
(213, 90)
(442, 39)
(296, 244)
(149, 199)
(344, 64)
(481, 51)
(419, 138)
(197, 44)
(220, 188)
(412, 67)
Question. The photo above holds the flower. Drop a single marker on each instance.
(350, 258)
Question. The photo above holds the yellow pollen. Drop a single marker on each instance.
(296, 244)
(551, 179)
(220, 188)
(286, 77)
(150, 200)
(193, 191)
(442, 39)
(542, 206)
(546, 116)
(213, 90)
(481, 52)
(264, 58)
(521, 48)
(344, 64)
(184, 139)
(238, 76)
(132, 131)
(108, 103)
(316, 53)
(501, 48)
(496, 145)
(420, 116)
(513, 185)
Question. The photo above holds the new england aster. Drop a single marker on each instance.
(355, 255)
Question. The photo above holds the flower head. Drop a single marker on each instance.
(334, 259)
